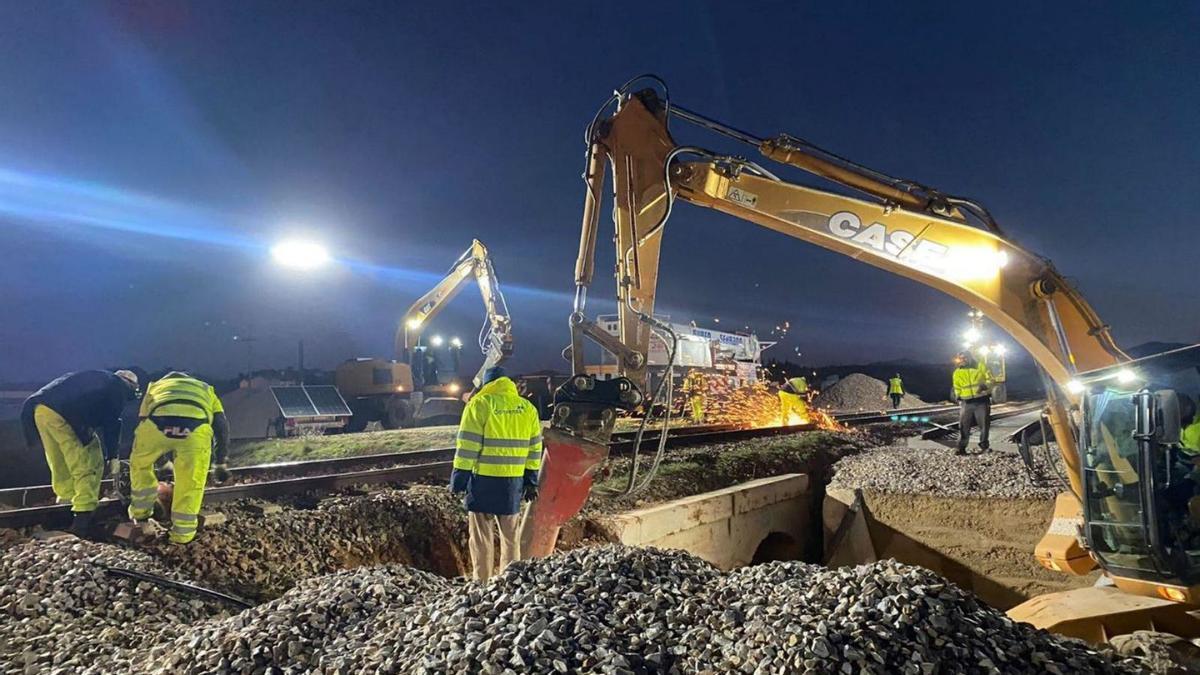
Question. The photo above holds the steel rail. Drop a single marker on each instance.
(429, 464)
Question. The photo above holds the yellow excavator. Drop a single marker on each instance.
(1117, 421)
(411, 390)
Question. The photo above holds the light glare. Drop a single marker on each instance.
(299, 254)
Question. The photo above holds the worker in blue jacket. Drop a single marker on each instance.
(497, 457)
(77, 421)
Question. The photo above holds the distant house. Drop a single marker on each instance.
(251, 409)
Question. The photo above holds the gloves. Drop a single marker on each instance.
(221, 472)
(531, 493)
(114, 468)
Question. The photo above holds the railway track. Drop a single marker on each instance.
(29, 506)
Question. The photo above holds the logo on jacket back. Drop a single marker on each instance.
(519, 410)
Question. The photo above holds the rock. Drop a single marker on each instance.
(857, 392)
(938, 472)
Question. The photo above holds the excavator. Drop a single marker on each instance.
(409, 391)
(1116, 420)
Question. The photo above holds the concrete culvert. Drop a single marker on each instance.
(777, 546)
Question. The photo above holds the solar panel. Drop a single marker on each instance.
(328, 400)
(293, 402)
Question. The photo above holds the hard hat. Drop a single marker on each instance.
(130, 378)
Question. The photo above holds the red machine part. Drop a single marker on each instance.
(568, 466)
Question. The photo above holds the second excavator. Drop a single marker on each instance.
(411, 390)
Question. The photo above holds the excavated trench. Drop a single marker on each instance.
(263, 550)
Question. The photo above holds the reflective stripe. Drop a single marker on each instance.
(146, 492)
(535, 440)
(469, 455)
(505, 443)
(535, 456)
(189, 517)
(470, 436)
(501, 459)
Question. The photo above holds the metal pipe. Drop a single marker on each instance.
(177, 585)
(1068, 358)
(714, 125)
(585, 263)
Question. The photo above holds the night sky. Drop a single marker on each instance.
(151, 152)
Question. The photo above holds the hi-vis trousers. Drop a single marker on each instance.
(191, 457)
(792, 402)
(75, 468)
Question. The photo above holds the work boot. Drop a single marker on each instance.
(959, 452)
(984, 448)
(81, 524)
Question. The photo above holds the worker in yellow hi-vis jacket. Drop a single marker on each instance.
(695, 387)
(497, 457)
(793, 397)
(182, 416)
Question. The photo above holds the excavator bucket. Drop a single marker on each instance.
(1097, 614)
(567, 469)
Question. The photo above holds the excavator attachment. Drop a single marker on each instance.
(1097, 614)
(568, 466)
(575, 446)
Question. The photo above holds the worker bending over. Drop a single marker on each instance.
(972, 389)
(793, 397)
(695, 386)
(77, 420)
(180, 415)
(497, 457)
(896, 390)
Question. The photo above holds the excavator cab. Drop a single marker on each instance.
(1141, 481)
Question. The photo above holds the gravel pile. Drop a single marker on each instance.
(260, 556)
(59, 610)
(861, 392)
(305, 629)
(621, 610)
(939, 473)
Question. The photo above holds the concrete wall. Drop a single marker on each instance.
(769, 516)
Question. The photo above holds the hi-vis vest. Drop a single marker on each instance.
(895, 386)
(180, 397)
(500, 434)
(967, 382)
(799, 384)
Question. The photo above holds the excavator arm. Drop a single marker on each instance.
(948, 243)
(495, 339)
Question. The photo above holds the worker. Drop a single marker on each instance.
(971, 388)
(695, 386)
(181, 416)
(896, 390)
(793, 396)
(77, 420)
(1189, 426)
(497, 457)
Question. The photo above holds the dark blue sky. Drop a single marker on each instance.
(150, 151)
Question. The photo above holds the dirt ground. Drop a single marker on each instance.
(992, 538)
